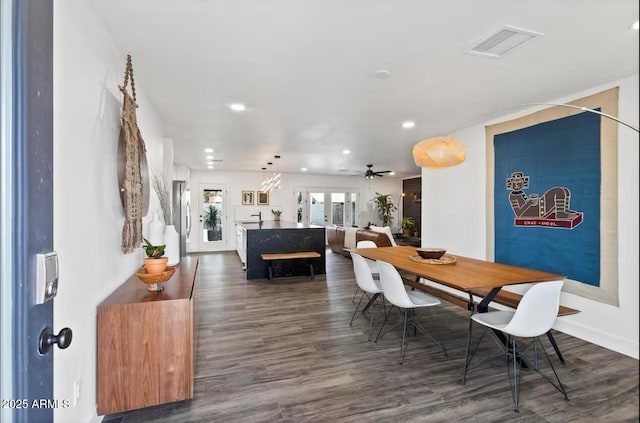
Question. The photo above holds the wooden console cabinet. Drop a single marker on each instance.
(145, 343)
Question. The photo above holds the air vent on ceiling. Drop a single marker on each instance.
(502, 42)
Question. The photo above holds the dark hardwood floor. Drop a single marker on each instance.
(283, 351)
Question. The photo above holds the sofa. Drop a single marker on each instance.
(336, 238)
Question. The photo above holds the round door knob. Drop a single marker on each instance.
(47, 339)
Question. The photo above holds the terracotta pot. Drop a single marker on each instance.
(406, 231)
(158, 265)
(276, 218)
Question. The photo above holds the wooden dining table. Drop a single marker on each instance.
(463, 274)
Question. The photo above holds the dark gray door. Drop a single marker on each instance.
(32, 50)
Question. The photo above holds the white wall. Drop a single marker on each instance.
(285, 196)
(454, 217)
(88, 215)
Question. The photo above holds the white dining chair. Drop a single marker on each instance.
(534, 316)
(406, 300)
(372, 264)
(370, 289)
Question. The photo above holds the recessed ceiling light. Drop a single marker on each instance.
(408, 124)
(392, 173)
(210, 167)
(346, 151)
(209, 157)
(304, 169)
(237, 107)
(635, 25)
(382, 74)
(208, 150)
(210, 163)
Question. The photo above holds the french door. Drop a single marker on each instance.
(212, 217)
(328, 206)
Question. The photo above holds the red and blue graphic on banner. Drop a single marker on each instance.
(547, 197)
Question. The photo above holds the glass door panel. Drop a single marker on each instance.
(317, 213)
(351, 210)
(299, 207)
(212, 217)
(337, 208)
(327, 206)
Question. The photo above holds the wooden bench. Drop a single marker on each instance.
(269, 258)
(511, 299)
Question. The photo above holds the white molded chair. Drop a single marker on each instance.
(534, 317)
(372, 264)
(370, 288)
(406, 299)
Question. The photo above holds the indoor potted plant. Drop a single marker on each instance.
(156, 261)
(416, 196)
(210, 220)
(407, 225)
(276, 214)
(384, 207)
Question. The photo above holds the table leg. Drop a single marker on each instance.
(370, 303)
(555, 347)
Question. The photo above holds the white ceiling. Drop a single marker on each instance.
(306, 69)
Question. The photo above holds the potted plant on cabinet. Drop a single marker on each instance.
(384, 207)
(155, 262)
(416, 196)
(210, 220)
(407, 225)
(276, 214)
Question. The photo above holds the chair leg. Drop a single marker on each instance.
(559, 387)
(356, 310)
(355, 293)
(511, 350)
(370, 324)
(555, 346)
(466, 356)
(418, 326)
(386, 318)
(403, 348)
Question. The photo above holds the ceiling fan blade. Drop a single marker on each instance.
(382, 171)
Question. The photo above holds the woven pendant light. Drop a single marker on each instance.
(438, 152)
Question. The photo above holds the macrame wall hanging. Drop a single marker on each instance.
(133, 173)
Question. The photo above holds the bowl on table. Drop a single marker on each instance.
(431, 253)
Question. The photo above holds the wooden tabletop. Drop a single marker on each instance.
(465, 274)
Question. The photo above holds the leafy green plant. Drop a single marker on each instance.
(211, 217)
(408, 223)
(385, 207)
(153, 251)
(276, 212)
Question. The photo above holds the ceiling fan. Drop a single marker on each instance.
(370, 174)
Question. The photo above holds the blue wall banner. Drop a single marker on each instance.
(547, 180)
(552, 193)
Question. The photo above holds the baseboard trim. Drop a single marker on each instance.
(598, 337)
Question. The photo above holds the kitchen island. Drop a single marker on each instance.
(282, 237)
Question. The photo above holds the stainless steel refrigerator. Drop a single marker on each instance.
(182, 213)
